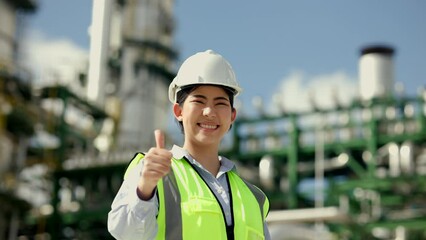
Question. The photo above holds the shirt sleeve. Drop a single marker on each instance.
(130, 217)
(266, 231)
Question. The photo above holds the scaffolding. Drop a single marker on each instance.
(365, 162)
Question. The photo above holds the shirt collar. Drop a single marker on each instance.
(226, 165)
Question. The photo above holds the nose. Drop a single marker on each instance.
(209, 112)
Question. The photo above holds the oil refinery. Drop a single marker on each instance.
(352, 171)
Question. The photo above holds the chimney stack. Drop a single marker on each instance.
(376, 72)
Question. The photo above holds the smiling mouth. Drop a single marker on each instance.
(208, 126)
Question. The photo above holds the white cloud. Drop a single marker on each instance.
(297, 91)
(53, 60)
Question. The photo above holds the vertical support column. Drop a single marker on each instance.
(422, 113)
(54, 224)
(293, 158)
(2, 102)
(319, 164)
(3, 223)
(372, 143)
(236, 140)
(99, 44)
(14, 225)
(63, 95)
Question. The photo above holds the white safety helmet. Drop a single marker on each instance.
(204, 68)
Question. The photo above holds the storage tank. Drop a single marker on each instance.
(376, 72)
(148, 66)
(135, 39)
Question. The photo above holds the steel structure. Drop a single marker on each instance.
(355, 171)
(15, 105)
(132, 58)
(352, 172)
(372, 159)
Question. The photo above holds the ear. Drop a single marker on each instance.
(177, 111)
(233, 115)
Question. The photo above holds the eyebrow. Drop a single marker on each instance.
(215, 99)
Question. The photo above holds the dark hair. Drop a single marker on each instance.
(183, 94)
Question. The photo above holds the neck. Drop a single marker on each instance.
(207, 156)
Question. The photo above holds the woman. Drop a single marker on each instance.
(191, 192)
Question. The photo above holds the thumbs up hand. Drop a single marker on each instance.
(157, 163)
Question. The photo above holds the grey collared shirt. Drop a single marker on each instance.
(132, 218)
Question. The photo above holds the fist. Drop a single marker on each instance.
(157, 163)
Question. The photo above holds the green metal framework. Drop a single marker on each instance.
(378, 197)
(359, 131)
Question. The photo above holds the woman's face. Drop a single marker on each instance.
(206, 115)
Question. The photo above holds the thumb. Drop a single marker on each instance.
(159, 138)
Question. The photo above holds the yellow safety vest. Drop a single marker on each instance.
(188, 209)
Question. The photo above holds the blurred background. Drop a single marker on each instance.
(331, 123)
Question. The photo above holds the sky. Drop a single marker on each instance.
(282, 48)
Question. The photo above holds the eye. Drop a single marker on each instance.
(222, 104)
